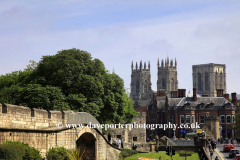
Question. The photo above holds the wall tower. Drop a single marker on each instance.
(141, 86)
(167, 76)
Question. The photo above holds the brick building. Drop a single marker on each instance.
(179, 109)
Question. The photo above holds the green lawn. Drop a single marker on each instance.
(163, 155)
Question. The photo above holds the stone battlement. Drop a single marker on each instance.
(20, 117)
(209, 64)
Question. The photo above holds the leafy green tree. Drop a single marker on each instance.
(71, 79)
(236, 125)
(37, 96)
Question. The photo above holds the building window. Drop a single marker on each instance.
(172, 85)
(134, 138)
(222, 119)
(202, 119)
(233, 119)
(137, 87)
(193, 119)
(188, 119)
(182, 119)
(118, 136)
(206, 82)
(163, 84)
(199, 82)
(229, 119)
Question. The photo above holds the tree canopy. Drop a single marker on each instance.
(71, 79)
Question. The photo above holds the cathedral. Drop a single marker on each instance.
(207, 79)
(141, 86)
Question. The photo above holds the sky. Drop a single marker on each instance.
(119, 32)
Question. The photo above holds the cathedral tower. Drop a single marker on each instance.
(167, 76)
(141, 86)
(207, 78)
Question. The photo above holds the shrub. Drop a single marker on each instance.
(29, 153)
(8, 151)
(128, 152)
(58, 153)
(120, 157)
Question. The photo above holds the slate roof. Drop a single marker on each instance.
(217, 101)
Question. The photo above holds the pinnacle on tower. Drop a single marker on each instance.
(145, 65)
(149, 65)
(136, 66)
(158, 62)
(175, 62)
(132, 65)
(162, 64)
(140, 65)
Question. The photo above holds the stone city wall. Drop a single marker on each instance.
(13, 116)
(37, 127)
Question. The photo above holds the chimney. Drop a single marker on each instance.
(219, 92)
(181, 93)
(195, 94)
(226, 96)
(234, 98)
(161, 93)
(174, 94)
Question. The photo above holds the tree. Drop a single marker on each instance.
(236, 125)
(71, 79)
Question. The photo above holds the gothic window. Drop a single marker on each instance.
(206, 82)
(216, 80)
(172, 85)
(145, 87)
(163, 84)
(220, 77)
(199, 82)
(137, 87)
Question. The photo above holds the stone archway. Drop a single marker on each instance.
(87, 141)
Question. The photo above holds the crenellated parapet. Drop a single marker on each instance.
(167, 65)
(20, 117)
(142, 67)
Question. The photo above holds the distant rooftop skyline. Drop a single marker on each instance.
(119, 32)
